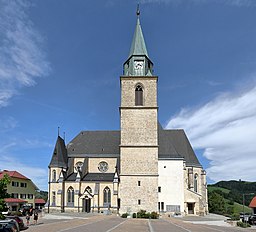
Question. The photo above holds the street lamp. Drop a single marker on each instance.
(245, 194)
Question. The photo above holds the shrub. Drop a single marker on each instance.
(154, 215)
(16, 213)
(243, 224)
(124, 215)
(134, 215)
(2, 217)
(141, 214)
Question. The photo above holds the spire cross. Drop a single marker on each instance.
(138, 11)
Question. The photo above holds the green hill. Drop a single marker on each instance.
(226, 197)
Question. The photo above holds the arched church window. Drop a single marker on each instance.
(70, 195)
(138, 95)
(88, 190)
(54, 175)
(195, 182)
(107, 196)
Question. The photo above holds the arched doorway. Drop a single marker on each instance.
(86, 201)
(86, 205)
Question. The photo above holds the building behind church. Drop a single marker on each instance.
(140, 166)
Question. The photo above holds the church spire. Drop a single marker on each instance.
(138, 43)
(138, 63)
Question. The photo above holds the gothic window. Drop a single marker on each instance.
(70, 195)
(138, 95)
(195, 182)
(107, 196)
(54, 175)
(88, 190)
(53, 198)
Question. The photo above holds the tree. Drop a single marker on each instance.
(3, 192)
(216, 203)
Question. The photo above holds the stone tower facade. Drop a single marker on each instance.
(139, 130)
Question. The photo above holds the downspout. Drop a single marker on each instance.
(49, 195)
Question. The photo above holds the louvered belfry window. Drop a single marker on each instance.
(138, 96)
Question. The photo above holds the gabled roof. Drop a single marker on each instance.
(59, 156)
(138, 43)
(40, 201)
(175, 144)
(253, 203)
(108, 177)
(14, 200)
(14, 174)
(95, 142)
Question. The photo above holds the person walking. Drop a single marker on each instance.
(28, 219)
(35, 217)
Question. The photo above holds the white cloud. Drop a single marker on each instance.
(36, 174)
(22, 59)
(226, 129)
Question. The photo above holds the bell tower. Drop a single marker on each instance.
(139, 134)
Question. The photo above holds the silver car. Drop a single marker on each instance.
(9, 225)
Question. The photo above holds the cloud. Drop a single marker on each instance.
(225, 128)
(7, 124)
(238, 3)
(22, 59)
(36, 174)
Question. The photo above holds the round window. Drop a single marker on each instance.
(103, 166)
(79, 166)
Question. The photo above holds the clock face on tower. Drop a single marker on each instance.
(138, 67)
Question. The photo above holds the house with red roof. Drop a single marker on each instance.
(22, 190)
(253, 205)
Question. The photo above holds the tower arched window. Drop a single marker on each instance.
(107, 196)
(54, 175)
(138, 96)
(70, 196)
(195, 182)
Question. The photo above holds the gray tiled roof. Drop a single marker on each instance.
(59, 156)
(108, 177)
(95, 142)
(175, 144)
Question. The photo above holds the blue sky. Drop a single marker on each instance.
(60, 63)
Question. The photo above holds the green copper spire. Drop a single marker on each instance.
(138, 44)
(138, 63)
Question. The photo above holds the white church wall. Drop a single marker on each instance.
(171, 181)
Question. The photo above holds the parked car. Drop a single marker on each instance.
(252, 219)
(244, 217)
(9, 225)
(18, 220)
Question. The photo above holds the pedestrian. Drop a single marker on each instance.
(31, 211)
(28, 218)
(35, 217)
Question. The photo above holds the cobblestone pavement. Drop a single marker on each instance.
(113, 223)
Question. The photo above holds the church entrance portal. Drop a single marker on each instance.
(191, 208)
(86, 205)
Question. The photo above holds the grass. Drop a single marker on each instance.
(238, 208)
(212, 188)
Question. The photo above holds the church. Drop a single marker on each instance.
(142, 166)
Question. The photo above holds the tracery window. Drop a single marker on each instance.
(70, 195)
(107, 196)
(138, 95)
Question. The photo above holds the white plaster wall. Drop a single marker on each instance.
(171, 181)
